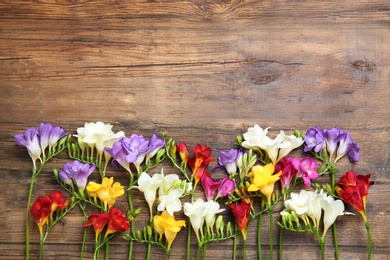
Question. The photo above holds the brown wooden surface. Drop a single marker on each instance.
(204, 71)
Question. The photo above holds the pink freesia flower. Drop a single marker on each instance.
(307, 169)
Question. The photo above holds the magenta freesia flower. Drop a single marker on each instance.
(76, 173)
(209, 186)
(288, 170)
(307, 169)
(226, 187)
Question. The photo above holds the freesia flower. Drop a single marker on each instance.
(182, 149)
(332, 209)
(226, 187)
(97, 135)
(98, 221)
(117, 222)
(263, 179)
(170, 201)
(196, 212)
(209, 186)
(289, 172)
(41, 210)
(165, 224)
(213, 209)
(307, 169)
(200, 161)
(354, 191)
(77, 173)
(241, 213)
(256, 138)
(347, 146)
(58, 201)
(314, 139)
(128, 150)
(154, 145)
(149, 185)
(30, 140)
(228, 161)
(332, 138)
(49, 136)
(107, 191)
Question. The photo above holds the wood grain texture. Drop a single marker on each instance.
(204, 71)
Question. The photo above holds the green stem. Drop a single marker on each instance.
(271, 233)
(82, 207)
(322, 244)
(41, 243)
(198, 252)
(368, 241)
(280, 243)
(130, 203)
(149, 251)
(244, 248)
(28, 216)
(189, 241)
(259, 251)
(107, 250)
(335, 241)
(235, 241)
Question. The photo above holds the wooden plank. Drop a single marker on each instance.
(204, 72)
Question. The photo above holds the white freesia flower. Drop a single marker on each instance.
(98, 135)
(256, 138)
(289, 143)
(314, 208)
(171, 201)
(332, 209)
(298, 202)
(196, 212)
(213, 209)
(149, 185)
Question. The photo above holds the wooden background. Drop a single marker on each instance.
(204, 71)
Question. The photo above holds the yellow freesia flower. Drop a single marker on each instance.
(263, 179)
(107, 191)
(167, 225)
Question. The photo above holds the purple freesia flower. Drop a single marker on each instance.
(30, 140)
(227, 160)
(37, 140)
(209, 186)
(119, 153)
(314, 139)
(137, 147)
(332, 137)
(307, 169)
(76, 173)
(347, 146)
(288, 170)
(128, 150)
(154, 145)
(226, 187)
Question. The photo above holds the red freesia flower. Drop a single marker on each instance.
(98, 221)
(59, 201)
(200, 161)
(241, 212)
(40, 210)
(182, 149)
(354, 191)
(117, 222)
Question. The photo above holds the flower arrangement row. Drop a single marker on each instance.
(259, 174)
